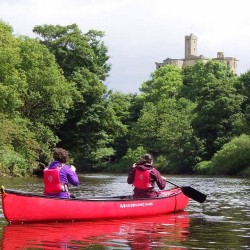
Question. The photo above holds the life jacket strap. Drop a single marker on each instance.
(65, 188)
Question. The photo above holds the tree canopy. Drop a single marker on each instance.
(193, 120)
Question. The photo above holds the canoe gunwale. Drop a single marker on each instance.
(94, 198)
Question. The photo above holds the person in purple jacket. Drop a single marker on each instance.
(58, 175)
(143, 175)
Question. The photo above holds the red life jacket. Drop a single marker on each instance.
(142, 179)
(52, 183)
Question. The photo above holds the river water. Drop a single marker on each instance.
(222, 222)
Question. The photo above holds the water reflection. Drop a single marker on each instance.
(167, 231)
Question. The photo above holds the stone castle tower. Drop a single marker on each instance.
(190, 46)
(191, 56)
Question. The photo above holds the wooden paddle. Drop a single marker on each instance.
(191, 193)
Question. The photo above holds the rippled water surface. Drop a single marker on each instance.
(222, 222)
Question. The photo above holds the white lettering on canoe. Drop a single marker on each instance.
(136, 205)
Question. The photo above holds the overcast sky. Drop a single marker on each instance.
(139, 33)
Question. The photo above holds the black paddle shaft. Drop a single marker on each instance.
(191, 193)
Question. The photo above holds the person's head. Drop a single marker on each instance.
(61, 155)
(146, 159)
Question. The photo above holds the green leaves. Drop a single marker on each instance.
(232, 158)
(11, 79)
(198, 75)
(48, 95)
(33, 91)
(91, 124)
(165, 83)
(52, 93)
(18, 146)
(217, 107)
(74, 50)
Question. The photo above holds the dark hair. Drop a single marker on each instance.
(60, 154)
(147, 158)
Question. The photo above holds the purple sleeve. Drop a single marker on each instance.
(68, 176)
(131, 176)
(161, 183)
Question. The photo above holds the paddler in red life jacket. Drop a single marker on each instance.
(58, 176)
(143, 175)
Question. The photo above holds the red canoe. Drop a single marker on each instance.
(19, 207)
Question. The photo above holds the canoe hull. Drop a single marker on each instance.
(27, 207)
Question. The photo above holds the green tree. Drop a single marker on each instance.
(18, 146)
(122, 104)
(91, 124)
(35, 98)
(164, 125)
(218, 111)
(195, 77)
(73, 49)
(12, 81)
(94, 39)
(145, 131)
(164, 83)
(232, 159)
(243, 88)
(164, 129)
(48, 96)
(177, 140)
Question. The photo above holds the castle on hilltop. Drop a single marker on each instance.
(191, 56)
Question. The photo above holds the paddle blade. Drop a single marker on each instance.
(193, 194)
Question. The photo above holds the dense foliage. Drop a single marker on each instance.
(193, 120)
